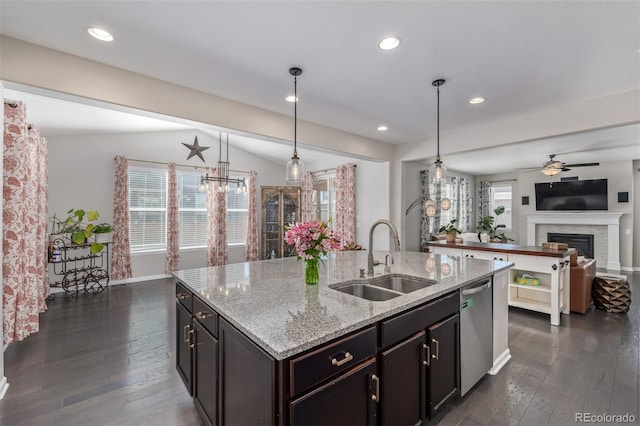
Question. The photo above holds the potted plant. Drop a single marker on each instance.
(78, 230)
(102, 233)
(450, 230)
(488, 226)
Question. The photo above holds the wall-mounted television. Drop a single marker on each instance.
(572, 195)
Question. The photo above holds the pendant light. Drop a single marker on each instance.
(295, 166)
(438, 171)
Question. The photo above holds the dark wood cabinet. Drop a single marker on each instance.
(444, 371)
(205, 378)
(280, 207)
(247, 380)
(349, 400)
(404, 388)
(421, 374)
(184, 335)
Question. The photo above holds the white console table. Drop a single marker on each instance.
(551, 267)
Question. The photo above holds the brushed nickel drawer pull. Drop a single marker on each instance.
(203, 315)
(376, 395)
(191, 332)
(181, 296)
(347, 357)
(437, 354)
(427, 348)
(185, 334)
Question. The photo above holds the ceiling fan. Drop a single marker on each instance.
(553, 167)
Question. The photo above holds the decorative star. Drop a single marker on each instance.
(195, 149)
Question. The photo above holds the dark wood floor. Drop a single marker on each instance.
(109, 359)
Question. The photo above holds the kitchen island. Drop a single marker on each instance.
(255, 345)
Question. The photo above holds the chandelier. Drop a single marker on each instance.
(222, 180)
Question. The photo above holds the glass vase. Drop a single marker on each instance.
(311, 271)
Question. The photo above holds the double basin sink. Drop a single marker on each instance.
(385, 287)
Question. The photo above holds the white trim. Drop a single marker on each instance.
(4, 385)
(500, 362)
(610, 219)
(140, 279)
(630, 268)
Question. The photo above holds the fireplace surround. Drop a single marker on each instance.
(575, 219)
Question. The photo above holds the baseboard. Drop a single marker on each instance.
(140, 279)
(630, 268)
(4, 385)
(500, 362)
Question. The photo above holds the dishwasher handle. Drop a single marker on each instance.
(474, 290)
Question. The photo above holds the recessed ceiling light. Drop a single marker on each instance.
(291, 99)
(389, 43)
(476, 100)
(100, 34)
(382, 128)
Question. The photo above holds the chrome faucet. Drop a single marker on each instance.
(396, 243)
(387, 266)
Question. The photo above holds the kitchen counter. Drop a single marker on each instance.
(269, 302)
(504, 248)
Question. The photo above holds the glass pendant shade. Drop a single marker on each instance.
(445, 204)
(438, 172)
(430, 211)
(295, 170)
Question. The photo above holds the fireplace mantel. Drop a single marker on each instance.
(610, 219)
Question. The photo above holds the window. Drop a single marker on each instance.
(237, 216)
(323, 199)
(148, 211)
(501, 195)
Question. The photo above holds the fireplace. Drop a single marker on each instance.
(581, 242)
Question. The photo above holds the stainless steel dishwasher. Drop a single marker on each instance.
(476, 333)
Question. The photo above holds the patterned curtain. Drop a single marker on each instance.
(25, 284)
(173, 222)
(251, 249)
(306, 198)
(484, 199)
(460, 204)
(216, 224)
(457, 191)
(121, 256)
(345, 183)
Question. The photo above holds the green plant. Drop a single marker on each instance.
(450, 227)
(80, 231)
(102, 228)
(487, 224)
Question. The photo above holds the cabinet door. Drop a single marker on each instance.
(403, 373)
(247, 381)
(183, 345)
(349, 400)
(280, 207)
(443, 375)
(205, 373)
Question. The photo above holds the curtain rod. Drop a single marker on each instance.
(333, 169)
(181, 165)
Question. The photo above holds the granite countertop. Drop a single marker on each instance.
(269, 302)
(504, 248)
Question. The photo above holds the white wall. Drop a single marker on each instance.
(81, 174)
(635, 202)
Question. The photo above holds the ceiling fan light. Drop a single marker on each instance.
(550, 171)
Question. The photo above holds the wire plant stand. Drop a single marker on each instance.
(78, 268)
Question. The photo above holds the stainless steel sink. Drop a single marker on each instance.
(365, 291)
(382, 288)
(400, 283)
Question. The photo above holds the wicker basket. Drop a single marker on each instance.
(611, 294)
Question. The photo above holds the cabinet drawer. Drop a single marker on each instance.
(205, 316)
(184, 296)
(329, 360)
(404, 325)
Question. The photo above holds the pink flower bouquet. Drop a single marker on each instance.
(312, 239)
